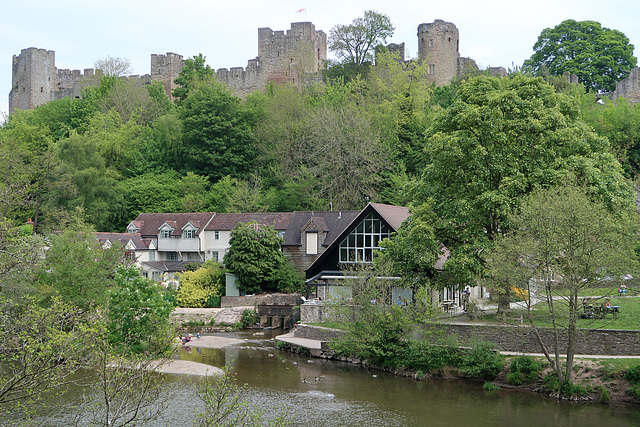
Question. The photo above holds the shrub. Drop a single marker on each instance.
(634, 392)
(605, 396)
(490, 387)
(633, 375)
(431, 358)
(482, 361)
(523, 369)
(249, 318)
(197, 288)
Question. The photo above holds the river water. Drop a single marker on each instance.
(318, 392)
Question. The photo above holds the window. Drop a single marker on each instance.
(155, 275)
(361, 243)
(216, 235)
(215, 255)
(172, 256)
(165, 234)
(152, 255)
(312, 243)
(189, 234)
(432, 69)
(430, 42)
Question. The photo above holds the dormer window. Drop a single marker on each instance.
(165, 234)
(189, 234)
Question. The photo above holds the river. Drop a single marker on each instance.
(319, 392)
(350, 395)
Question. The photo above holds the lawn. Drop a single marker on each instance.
(628, 316)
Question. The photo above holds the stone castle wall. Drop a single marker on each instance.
(629, 88)
(295, 56)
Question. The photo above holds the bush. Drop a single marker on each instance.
(633, 375)
(490, 387)
(482, 361)
(523, 369)
(634, 392)
(198, 288)
(431, 358)
(249, 318)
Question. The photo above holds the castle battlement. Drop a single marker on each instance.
(291, 57)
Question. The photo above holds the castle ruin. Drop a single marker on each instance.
(290, 57)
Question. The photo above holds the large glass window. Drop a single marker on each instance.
(361, 243)
(172, 256)
(165, 234)
(189, 234)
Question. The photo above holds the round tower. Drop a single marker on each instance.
(438, 45)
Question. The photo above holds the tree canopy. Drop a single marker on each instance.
(498, 141)
(354, 43)
(599, 56)
(564, 233)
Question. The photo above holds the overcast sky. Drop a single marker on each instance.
(493, 32)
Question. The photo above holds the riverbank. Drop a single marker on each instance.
(600, 379)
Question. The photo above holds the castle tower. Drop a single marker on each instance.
(166, 69)
(33, 78)
(438, 45)
(288, 57)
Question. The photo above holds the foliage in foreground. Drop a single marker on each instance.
(226, 404)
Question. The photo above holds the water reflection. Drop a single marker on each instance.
(328, 393)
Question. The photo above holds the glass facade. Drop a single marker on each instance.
(364, 240)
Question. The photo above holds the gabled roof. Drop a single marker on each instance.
(169, 266)
(226, 221)
(150, 223)
(136, 240)
(331, 222)
(394, 216)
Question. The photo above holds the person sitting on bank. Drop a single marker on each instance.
(607, 304)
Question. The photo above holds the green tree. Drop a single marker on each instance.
(42, 347)
(78, 269)
(355, 43)
(497, 142)
(218, 139)
(193, 71)
(138, 314)
(254, 257)
(198, 287)
(599, 56)
(564, 232)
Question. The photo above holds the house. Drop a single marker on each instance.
(312, 240)
(174, 241)
(136, 247)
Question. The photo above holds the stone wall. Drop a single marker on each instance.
(506, 338)
(629, 88)
(522, 339)
(267, 299)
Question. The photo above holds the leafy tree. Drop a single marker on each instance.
(193, 71)
(564, 232)
(197, 288)
(355, 43)
(97, 191)
(499, 140)
(413, 251)
(599, 56)
(254, 256)
(138, 313)
(78, 269)
(42, 347)
(217, 133)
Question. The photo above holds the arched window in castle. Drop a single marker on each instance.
(364, 240)
(431, 42)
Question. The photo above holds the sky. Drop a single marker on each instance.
(492, 32)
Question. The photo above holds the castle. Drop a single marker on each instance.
(292, 57)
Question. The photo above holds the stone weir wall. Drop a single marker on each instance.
(266, 299)
(606, 342)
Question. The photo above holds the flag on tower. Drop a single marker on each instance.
(300, 10)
